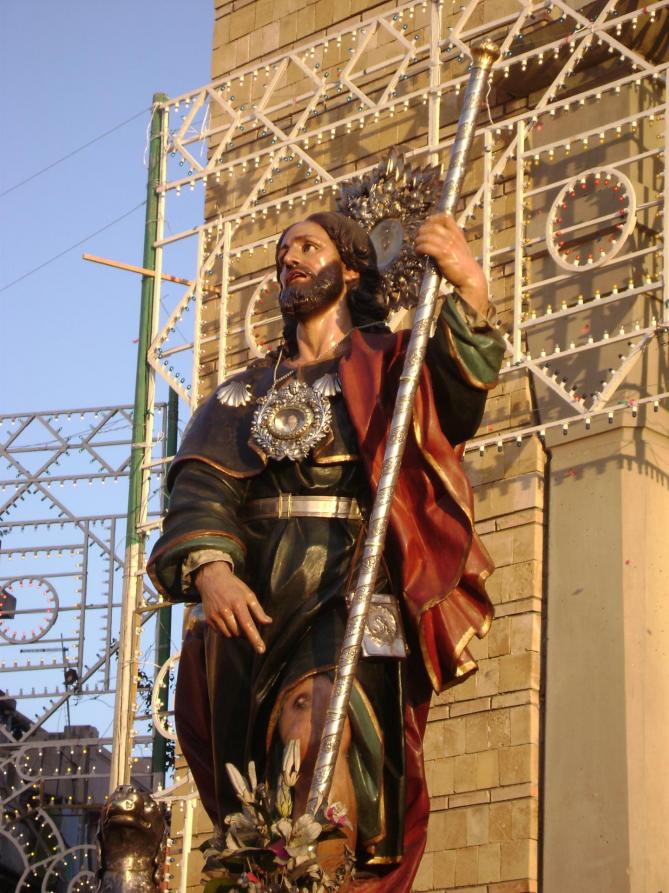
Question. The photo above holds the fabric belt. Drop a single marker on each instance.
(286, 505)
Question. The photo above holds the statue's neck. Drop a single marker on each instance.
(131, 875)
(319, 335)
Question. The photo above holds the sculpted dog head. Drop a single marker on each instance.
(130, 837)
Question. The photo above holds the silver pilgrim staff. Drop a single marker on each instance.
(484, 57)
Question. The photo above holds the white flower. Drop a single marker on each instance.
(284, 828)
(291, 762)
(305, 831)
(239, 784)
(306, 828)
(253, 778)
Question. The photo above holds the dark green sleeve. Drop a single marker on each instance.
(464, 361)
(203, 513)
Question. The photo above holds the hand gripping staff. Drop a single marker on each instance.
(484, 57)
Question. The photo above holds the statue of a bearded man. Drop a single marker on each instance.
(269, 495)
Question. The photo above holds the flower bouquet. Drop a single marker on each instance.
(267, 851)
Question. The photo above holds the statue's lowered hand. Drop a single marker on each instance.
(229, 605)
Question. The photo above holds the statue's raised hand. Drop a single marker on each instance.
(228, 604)
(442, 239)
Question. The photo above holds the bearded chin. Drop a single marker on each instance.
(306, 297)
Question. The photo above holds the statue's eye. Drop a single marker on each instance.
(301, 702)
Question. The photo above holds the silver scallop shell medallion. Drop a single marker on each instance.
(234, 393)
(328, 385)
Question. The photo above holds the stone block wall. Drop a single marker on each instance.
(246, 31)
(482, 744)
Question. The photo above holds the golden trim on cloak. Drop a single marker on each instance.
(217, 465)
(335, 459)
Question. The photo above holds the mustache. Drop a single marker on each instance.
(299, 269)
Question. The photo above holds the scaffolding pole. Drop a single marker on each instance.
(164, 617)
(126, 676)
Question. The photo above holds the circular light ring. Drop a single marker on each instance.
(50, 869)
(257, 350)
(575, 184)
(74, 853)
(85, 880)
(51, 612)
(159, 723)
(17, 847)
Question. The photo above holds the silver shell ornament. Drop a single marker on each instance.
(391, 202)
(234, 393)
(328, 385)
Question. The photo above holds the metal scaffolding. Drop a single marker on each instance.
(63, 477)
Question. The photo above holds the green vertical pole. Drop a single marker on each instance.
(164, 615)
(126, 677)
(145, 316)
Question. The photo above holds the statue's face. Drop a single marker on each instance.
(312, 275)
(131, 827)
(130, 807)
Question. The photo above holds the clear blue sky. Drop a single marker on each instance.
(70, 71)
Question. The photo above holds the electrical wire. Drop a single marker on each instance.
(72, 247)
(73, 152)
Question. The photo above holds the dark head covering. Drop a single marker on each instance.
(366, 299)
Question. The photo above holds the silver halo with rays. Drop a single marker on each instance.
(391, 202)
